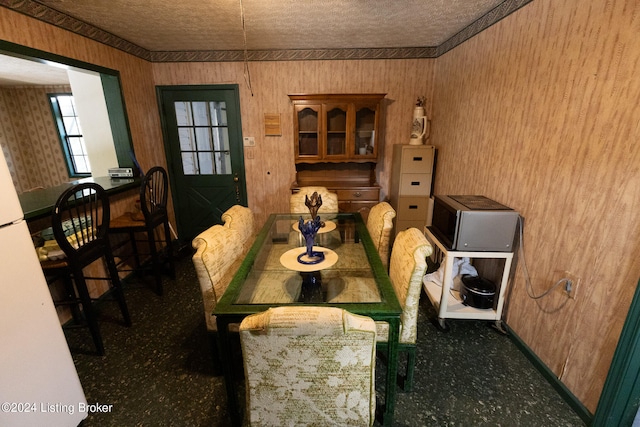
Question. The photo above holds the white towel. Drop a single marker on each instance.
(460, 267)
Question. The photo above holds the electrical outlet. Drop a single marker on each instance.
(570, 283)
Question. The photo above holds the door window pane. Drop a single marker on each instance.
(221, 139)
(187, 139)
(204, 137)
(200, 114)
(206, 163)
(218, 113)
(223, 163)
(183, 113)
(189, 164)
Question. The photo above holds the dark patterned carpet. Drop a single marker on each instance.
(159, 372)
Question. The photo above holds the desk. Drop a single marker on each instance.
(357, 282)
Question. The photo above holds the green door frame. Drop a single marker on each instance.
(621, 393)
(239, 154)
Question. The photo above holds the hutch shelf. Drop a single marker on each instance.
(336, 127)
(336, 143)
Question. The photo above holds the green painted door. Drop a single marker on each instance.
(203, 144)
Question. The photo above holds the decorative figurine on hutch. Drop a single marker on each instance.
(420, 123)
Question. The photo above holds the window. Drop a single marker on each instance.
(68, 123)
(204, 137)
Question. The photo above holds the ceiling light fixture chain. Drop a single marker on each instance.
(247, 75)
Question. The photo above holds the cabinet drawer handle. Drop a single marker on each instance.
(417, 159)
(357, 194)
(415, 182)
(413, 206)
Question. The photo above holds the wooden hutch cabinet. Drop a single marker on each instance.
(336, 140)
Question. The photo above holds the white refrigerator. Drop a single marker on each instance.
(39, 384)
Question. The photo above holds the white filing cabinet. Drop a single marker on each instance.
(494, 266)
(411, 177)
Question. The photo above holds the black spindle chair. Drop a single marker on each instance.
(80, 223)
(153, 205)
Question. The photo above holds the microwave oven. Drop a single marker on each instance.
(473, 223)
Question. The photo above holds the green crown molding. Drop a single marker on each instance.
(51, 16)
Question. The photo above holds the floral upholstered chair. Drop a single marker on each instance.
(329, 200)
(240, 218)
(406, 270)
(218, 255)
(309, 366)
(380, 226)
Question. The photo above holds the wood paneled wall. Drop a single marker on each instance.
(540, 112)
(271, 170)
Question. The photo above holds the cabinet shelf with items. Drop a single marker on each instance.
(494, 266)
(336, 127)
(336, 139)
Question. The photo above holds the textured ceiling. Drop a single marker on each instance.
(185, 25)
(274, 30)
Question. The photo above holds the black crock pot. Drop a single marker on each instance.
(477, 292)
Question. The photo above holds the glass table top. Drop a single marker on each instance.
(271, 275)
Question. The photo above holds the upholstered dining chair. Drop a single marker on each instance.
(218, 255)
(241, 218)
(80, 224)
(154, 192)
(380, 226)
(309, 366)
(406, 270)
(329, 200)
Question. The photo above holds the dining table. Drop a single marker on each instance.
(350, 276)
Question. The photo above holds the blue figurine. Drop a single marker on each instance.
(309, 230)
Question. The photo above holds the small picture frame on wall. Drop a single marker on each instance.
(272, 124)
